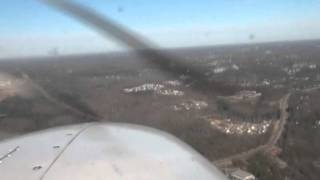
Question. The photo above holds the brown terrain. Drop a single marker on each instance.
(260, 111)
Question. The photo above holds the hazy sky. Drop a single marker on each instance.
(28, 27)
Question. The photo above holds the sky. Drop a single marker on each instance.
(31, 28)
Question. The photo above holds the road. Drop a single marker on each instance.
(274, 138)
(279, 125)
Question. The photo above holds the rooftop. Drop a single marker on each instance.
(242, 175)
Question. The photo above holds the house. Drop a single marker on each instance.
(241, 175)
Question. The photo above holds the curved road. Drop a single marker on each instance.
(275, 136)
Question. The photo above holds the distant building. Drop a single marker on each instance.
(316, 164)
(4, 84)
(274, 151)
(53, 52)
(241, 175)
(245, 95)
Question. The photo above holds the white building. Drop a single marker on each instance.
(241, 175)
(4, 84)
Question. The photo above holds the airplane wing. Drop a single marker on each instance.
(95, 151)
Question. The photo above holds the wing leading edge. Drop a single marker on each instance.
(98, 151)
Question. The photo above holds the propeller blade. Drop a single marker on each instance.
(145, 48)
